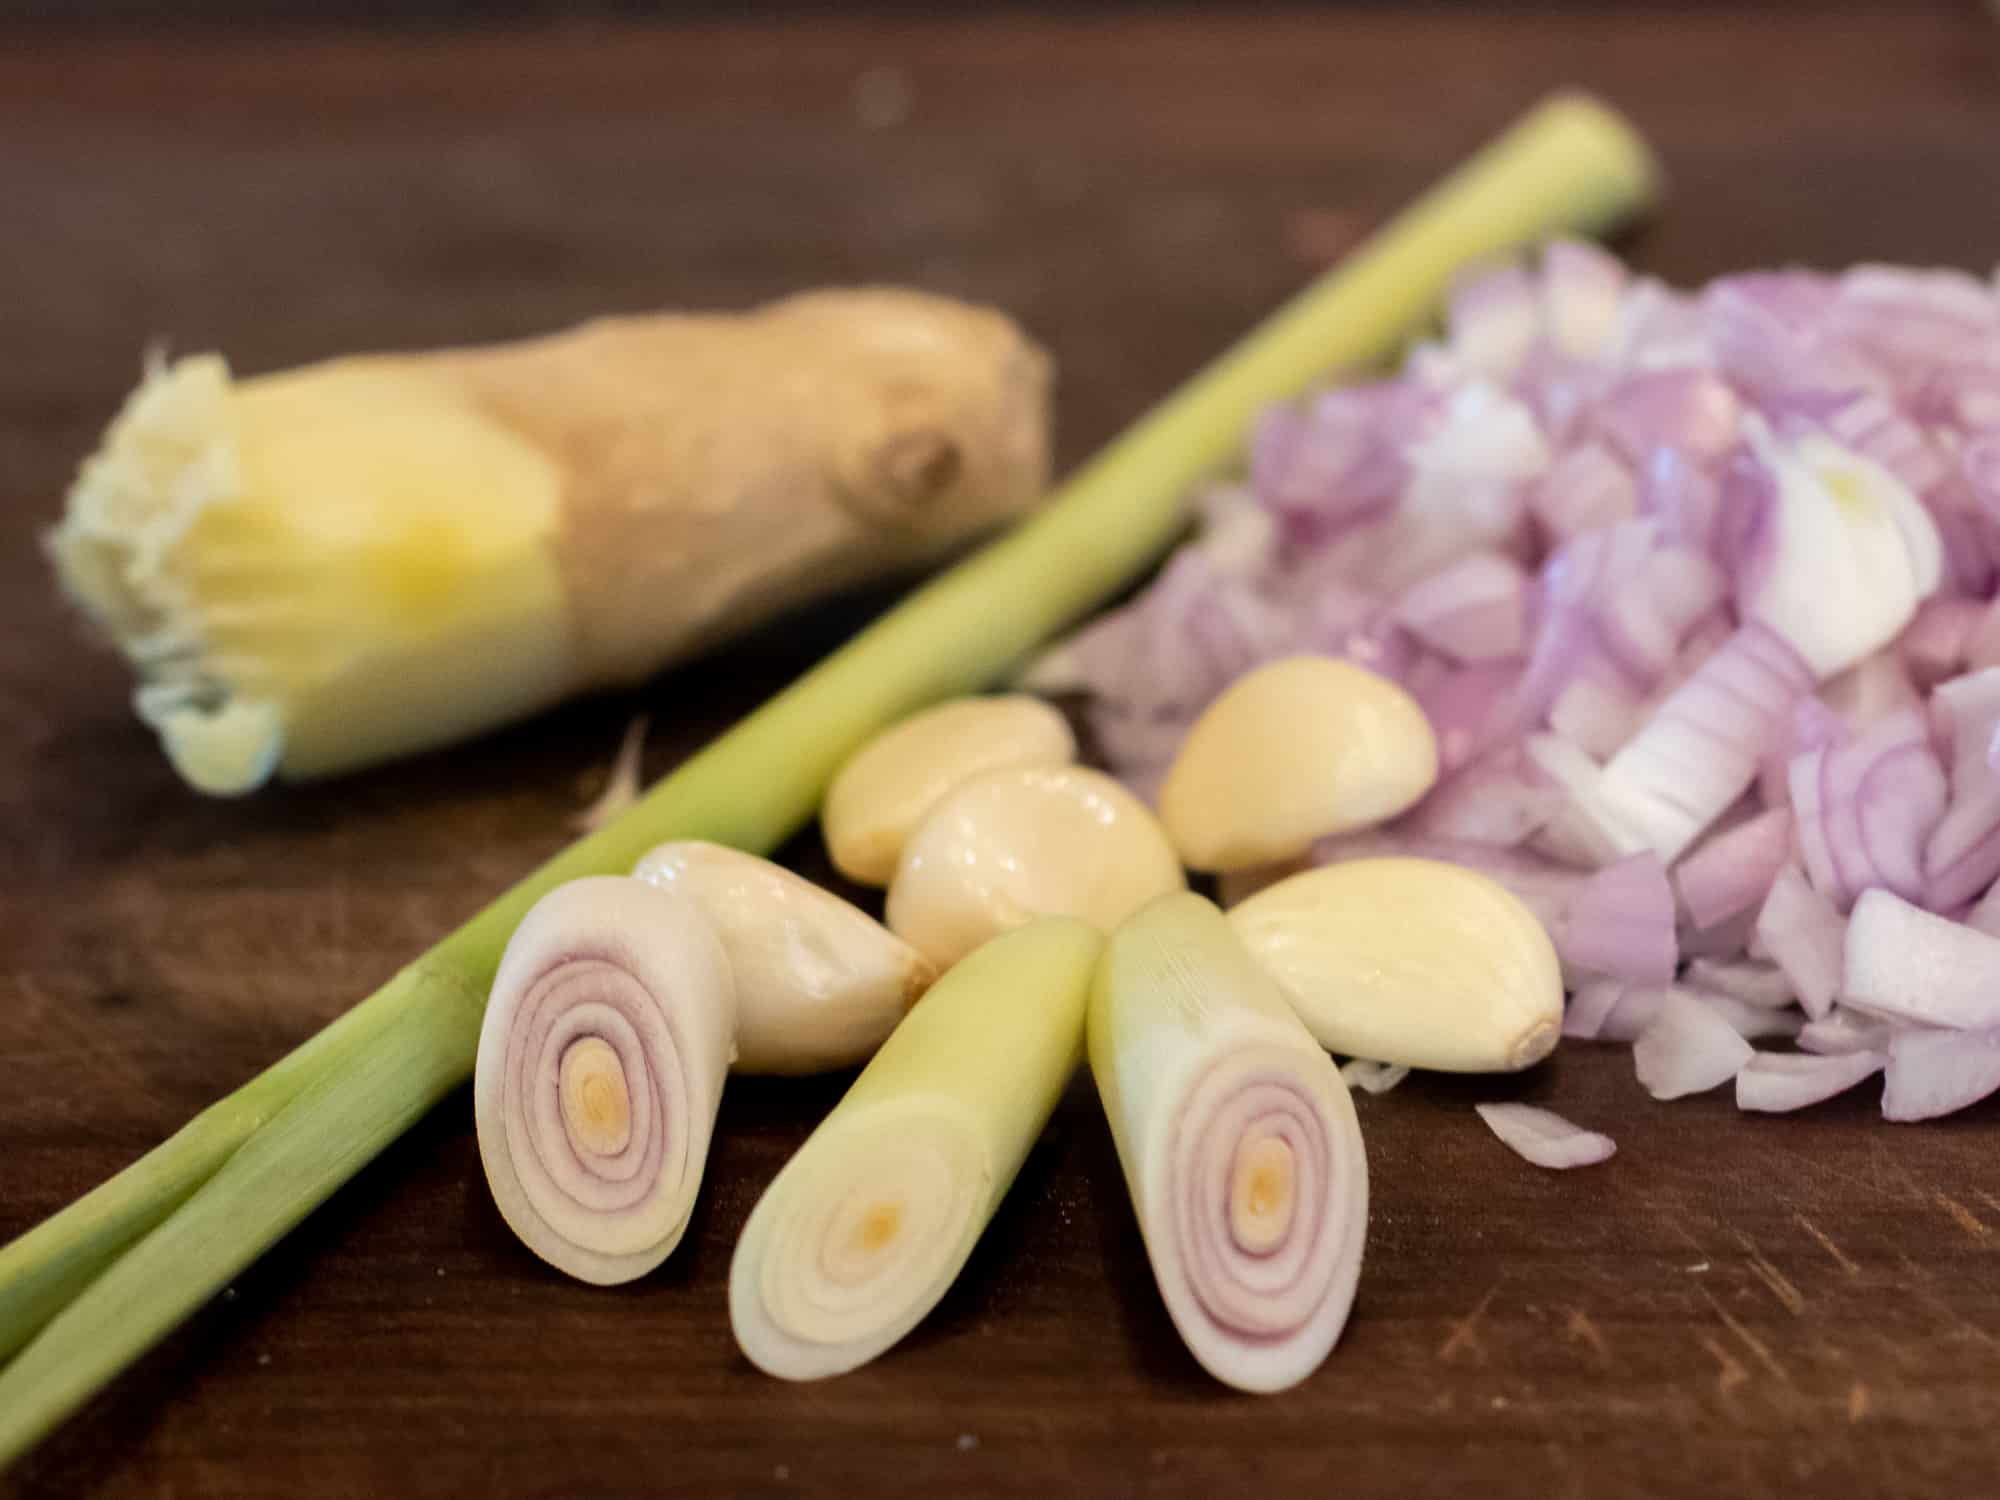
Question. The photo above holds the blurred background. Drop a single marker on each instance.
(287, 180)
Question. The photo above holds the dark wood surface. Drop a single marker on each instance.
(1805, 1306)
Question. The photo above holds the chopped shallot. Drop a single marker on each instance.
(1732, 872)
(1621, 923)
(1545, 1138)
(1907, 964)
(1934, 1073)
(1689, 1049)
(1372, 1077)
(1845, 1031)
(1805, 937)
(1760, 984)
(1700, 592)
(1779, 1082)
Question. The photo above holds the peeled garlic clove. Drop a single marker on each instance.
(819, 983)
(1008, 846)
(1292, 752)
(886, 788)
(1410, 961)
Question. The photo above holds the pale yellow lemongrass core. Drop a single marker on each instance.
(1260, 1193)
(862, 1232)
(596, 1105)
(853, 1253)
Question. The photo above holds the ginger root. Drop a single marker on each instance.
(324, 568)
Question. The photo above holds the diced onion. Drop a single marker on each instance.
(1688, 1049)
(1545, 1138)
(1698, 593)
(1904, 963)
(1779, 1082)
(1933, 1073)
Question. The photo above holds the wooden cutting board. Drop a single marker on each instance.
(1803, 1306)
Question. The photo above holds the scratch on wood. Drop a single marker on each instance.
(1731, 1374)
(1681, 1230)
(1962, 1216)
(1916, 1283)
(1987, 1198)
(1883, 1161)
(1826, 1243)
(1750, 1340)
(1817, 1166)
(1857, 1402)
(1465, 1333)
(1781, 1286)
(1580, 1330)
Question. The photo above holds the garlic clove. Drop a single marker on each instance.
(1291, 752)
(882, 793)
(1011, 845)
(819, 983)
(1410, 961)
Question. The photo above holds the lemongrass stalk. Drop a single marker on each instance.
(1239, 1143)
(279, 1175)
(870, 1223)
(602, 1053)
(1569, 166)
(45, 1267)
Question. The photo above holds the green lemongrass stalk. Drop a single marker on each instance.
(854, 1242)
(1569, 166)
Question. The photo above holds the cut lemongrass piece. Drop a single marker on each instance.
(601, 1061)
(865, 1229)
(1239, 1143)
(819, 983)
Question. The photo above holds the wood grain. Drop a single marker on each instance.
(1751, 1308)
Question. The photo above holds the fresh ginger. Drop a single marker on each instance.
(328, 567)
